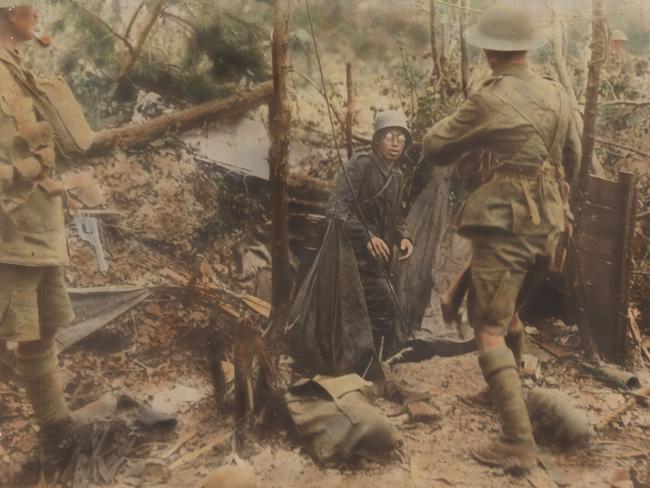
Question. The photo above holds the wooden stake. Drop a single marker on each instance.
(280, 124)
(464, 62)
(349, 115)
(435, 58)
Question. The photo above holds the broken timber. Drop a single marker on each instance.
(134, 135)
(604, 257)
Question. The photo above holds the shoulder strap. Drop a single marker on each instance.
(533, 120)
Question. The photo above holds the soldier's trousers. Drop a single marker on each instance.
(501, 262)
(381, 309)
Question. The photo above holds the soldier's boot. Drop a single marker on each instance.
(516, 340)
(515, 450)
(40, 376)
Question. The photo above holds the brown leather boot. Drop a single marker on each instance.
(515, 451)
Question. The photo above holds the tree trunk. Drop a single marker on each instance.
(588, 139)
(280, 121)
(598, 53)
(435, 70)
(559, 60)
(349, 115)
(134, 135)
(464, 63)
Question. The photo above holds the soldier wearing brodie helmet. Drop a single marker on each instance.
(513, 221)
(39, 121)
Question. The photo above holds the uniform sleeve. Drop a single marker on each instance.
(401, 228)
(451, 137)
(27, 144)
(572, 151)
(343, 206)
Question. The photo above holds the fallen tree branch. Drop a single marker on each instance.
(134, 135)
(607, 142)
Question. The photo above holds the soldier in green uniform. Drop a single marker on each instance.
(514, 221)
(33, 250)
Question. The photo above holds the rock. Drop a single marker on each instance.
(420, 411)
(230, 477)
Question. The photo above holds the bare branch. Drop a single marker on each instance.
(127, 33)
(607, 142)
(104, 24)
(135, 54)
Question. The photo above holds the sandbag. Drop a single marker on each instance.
(336, 420)
(556, 420)
(329, 329)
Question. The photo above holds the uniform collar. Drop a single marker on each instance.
(12, 55)
(385, 167)
(518, 69)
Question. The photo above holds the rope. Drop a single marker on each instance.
(344, 170)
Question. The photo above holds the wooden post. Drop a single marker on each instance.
(464, 63)
(628, 199)
(280, 122)
(435, 58)
(579, 193)
(349, 115)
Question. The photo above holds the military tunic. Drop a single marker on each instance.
(33, 245)
(532, 129)
(377, 184)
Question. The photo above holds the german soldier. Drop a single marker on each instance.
(377, 182)
(513, 221)
(33, 248)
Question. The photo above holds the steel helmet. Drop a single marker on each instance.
(17, 3)
(506, 27)
(391, 119)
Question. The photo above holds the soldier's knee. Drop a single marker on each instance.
(33, 348)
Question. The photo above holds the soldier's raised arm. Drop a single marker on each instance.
(456, 134)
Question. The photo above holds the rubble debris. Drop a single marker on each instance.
(123, 407)
(97, 307)
(420, 411)
(241, 476)
(629, 404)
(556, 420)
(336, 420)
(531, 366)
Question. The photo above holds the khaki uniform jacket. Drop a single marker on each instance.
(526, 122)
(32, 229)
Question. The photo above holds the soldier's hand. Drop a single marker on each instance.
(378, 249)
(406, 249)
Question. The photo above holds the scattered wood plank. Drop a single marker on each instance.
(215, 441)
(628, 405)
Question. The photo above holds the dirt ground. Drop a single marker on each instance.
(159, 353)
(159, 358)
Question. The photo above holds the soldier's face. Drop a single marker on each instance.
(391, 144)
(22, 20)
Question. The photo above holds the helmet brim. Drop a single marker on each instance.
(476, 38)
